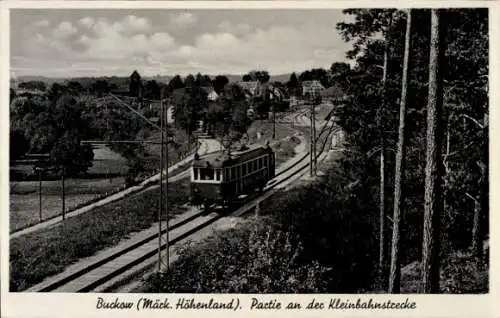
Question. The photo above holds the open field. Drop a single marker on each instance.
(105, 176)
(37, 255)
(266, 129)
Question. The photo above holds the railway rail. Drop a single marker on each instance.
(92, 276)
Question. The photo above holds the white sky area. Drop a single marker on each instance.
(105, 42)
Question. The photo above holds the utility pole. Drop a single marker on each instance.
(311, 146)
(161, 188)
(40, 192)
(274, 121)
(166, 189)
(63, 195)
(315, 163)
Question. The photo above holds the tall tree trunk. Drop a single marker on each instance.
(476, 238)
(382, 263)
(433, 205)
(395, 271)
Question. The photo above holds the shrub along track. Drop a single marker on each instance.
(97, 273)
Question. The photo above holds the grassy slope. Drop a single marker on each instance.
(460, 274)
(47, 252)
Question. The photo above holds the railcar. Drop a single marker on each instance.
(220, 178)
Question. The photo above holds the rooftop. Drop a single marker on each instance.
(222, 159)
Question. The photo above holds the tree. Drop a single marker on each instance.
(247, 78)
(261, 76)
(175, 83)
(293, 85)
(395, 269)
(339, 72)
(367, 23)
(19, 145)
(227, 116)
(190, 106)
(190, 81)
(315, 74)
(67, 151)
(152, 90)
(56, 91)
(75, 88)
(12, 95)
(31, 85)
(433, 174)
(100, 87)
(219, 83)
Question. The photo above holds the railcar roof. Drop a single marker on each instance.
(221, 159)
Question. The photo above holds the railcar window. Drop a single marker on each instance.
(265, 161)
(260, 163)
(233, 173)
(244, 166)
(206, 174)
(195, 173)
(238, 172)
(255, 165)
(217, 174)
(249, 167)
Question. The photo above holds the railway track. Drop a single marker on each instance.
(92, 276)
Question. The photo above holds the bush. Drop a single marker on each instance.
(251, 258)
(336, 225)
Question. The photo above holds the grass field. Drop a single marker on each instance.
(47, 252)
(266, 129)
(24, 195)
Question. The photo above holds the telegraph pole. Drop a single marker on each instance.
(63, 195)
(40, 192)
(313, 124)
(161, 187)
(163, 165)
(311, 146)
(166, 187)
(274, 122)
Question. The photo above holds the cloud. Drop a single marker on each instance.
(134, 23)
(182, 20)
(42, 23)
(240, 28)
(64, 30)
(115, 47)
(87, 22)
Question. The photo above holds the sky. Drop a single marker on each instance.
(114, 42)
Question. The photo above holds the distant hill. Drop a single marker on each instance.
(159, 78)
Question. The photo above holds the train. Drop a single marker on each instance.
(220, 178)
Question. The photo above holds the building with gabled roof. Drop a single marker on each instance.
(312, 88)
(250, 88)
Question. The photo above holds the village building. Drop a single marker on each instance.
(211, 93)
(312, 88)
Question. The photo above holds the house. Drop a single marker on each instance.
(211, 94)
(250, 88)
(312, 88)
(154, 108)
